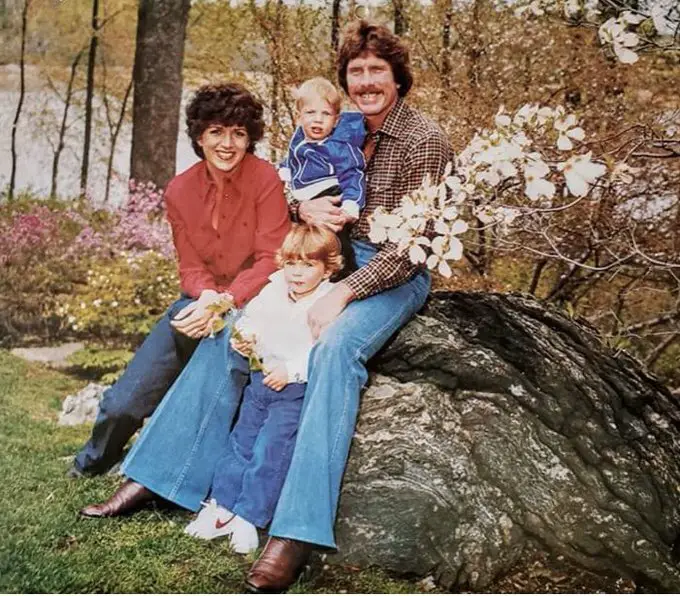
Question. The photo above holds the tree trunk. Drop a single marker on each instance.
(63, 127)
(22, 94)
(494, 428)
(400, 22)
(335, 28)
(114, 139)
(89, 97)
(159, 55)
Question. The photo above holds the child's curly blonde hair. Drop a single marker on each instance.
(308, 242)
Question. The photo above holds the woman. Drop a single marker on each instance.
(228, 216)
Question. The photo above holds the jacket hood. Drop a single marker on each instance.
(350, 128)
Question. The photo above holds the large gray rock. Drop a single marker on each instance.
(495, 427)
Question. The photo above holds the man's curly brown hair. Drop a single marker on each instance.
(228, 104)
(362, 36)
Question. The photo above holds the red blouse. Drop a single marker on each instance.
(238, 256)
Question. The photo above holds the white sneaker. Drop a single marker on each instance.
(205, 520)
(244, 535)
(214, 521)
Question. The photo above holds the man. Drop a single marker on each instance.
(359, 315)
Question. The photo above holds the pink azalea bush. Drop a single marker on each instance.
(50, 249)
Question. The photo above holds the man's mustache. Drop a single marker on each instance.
(362, 90)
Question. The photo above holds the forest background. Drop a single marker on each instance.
(97, 263)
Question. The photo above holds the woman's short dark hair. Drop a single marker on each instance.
(228, 104)
(360, 37)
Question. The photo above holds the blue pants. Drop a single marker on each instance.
(175, 454)
(136, 393)
(249, 475)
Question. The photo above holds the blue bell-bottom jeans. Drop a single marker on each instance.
(176, 454)
(135, 395)
(249, 476)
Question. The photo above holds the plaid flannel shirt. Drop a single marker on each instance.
(408, 146)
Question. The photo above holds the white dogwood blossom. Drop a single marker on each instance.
(503, 174)
(614, 32)
(581, 173)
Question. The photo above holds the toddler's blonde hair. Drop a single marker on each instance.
(318, 87)
(308, 242)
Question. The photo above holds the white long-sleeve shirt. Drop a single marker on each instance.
(280, 326)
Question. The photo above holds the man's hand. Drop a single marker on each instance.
(324, 212)
(276, 377)
(327, 308)
(194, 319)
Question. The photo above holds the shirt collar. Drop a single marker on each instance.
(394, 123)
(231, 177)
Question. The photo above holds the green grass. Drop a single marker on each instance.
(46, 547)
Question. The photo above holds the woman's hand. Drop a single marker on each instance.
(276, 377)
(195, 319)
(324, 212)
(327, 308)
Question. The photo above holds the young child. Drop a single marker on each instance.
(273, 328)
(324, 155)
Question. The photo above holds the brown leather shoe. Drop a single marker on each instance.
(126, 499)
(278, 566)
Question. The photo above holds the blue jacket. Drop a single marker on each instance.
(315, 166)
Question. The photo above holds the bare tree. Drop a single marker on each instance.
(64, 126)
(89, 95)
(335, 26)
(157, 76)
(22, 93)
(114, 125)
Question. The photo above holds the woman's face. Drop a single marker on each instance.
(224, 146)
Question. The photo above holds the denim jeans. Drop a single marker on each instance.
(175, 454)
(177, 450)
(136, 393)
(249, 475)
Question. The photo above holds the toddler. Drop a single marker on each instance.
(325, 156)
(272, 332)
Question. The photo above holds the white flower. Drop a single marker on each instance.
(543, 115)
(71, 319)
(632, 18)
(83, 305)
(580, 172)
(114, 303)
(138, 301)
(566, 126)
(415, 248)
(535, 184)
(502, 119)
(438, 257)
(525, 114)
(572, 8)
(97, 302)
(613, 31)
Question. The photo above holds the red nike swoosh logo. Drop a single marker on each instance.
(219, 524)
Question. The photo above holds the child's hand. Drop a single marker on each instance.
(243, 345)
(276, 377)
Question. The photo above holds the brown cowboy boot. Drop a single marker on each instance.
(278, 566)
(127, 498)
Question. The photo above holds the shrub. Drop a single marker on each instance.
(122, 297)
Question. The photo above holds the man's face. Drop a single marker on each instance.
(371, 84)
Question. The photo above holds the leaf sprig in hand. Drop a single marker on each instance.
(219, 308)
(254, 361)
